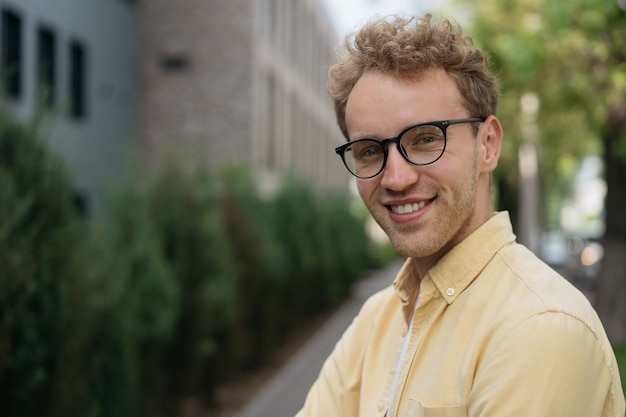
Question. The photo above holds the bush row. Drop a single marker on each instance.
(172, 288)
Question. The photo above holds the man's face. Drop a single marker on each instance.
(425, 210)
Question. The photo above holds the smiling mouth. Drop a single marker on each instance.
(407, 208)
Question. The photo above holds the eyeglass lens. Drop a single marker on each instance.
(421, 145)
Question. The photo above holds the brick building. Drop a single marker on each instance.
(239, 81)
(213, 82)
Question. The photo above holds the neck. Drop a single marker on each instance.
(424, 264)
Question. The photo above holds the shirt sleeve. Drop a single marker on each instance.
(551, 364)
(332, 394)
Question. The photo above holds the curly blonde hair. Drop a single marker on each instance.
(406, 48)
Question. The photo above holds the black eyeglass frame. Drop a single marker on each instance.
(441, 124)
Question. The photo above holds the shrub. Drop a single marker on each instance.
(186, 213)
(165, 244)
(260, 279)
(175, 286)
(40, 247)
(130, 304)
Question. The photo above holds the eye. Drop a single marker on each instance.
(370, 152)
(366, 150)
(428, 139)
(422, 138)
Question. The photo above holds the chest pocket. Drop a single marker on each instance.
(417, 409)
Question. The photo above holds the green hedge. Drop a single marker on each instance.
(39, 240)
(174, 287)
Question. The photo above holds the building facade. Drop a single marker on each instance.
(215, 82)
(294, 48)
(78, 61)
(240, 82)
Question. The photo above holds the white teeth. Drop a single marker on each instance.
(408, 208)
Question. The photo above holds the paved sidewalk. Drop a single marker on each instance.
(285, 392)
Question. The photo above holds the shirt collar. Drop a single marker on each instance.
(459, 267)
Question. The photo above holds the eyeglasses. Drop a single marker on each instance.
(422, 144)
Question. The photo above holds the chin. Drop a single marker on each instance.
(414, 249)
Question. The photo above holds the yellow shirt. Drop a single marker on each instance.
(497, 333)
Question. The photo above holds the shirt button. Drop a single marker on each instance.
(381, 405)
(403, 332)
(450, 291)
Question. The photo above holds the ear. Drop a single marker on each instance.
(490, 136)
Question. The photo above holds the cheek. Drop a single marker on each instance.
(459, 167)
(365, 188)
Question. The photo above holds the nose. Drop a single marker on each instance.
(399, 173)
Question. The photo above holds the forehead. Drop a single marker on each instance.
(383, 105)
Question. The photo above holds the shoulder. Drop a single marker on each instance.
(541, 283)
(543, 328)
(380, 302)
(532, 292)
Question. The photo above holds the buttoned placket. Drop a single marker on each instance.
(423, 315)
(408, 293)
(382, 404)
(402, 359)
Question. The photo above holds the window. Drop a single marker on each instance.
(77, 80)
(11, 64)
(173, 63)
(46, 67)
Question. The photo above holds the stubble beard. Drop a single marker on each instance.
(444, 226)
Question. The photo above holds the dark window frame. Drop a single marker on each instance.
(47, 64)
(77, 79)
(11, 53)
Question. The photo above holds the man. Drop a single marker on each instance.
(474, 324)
